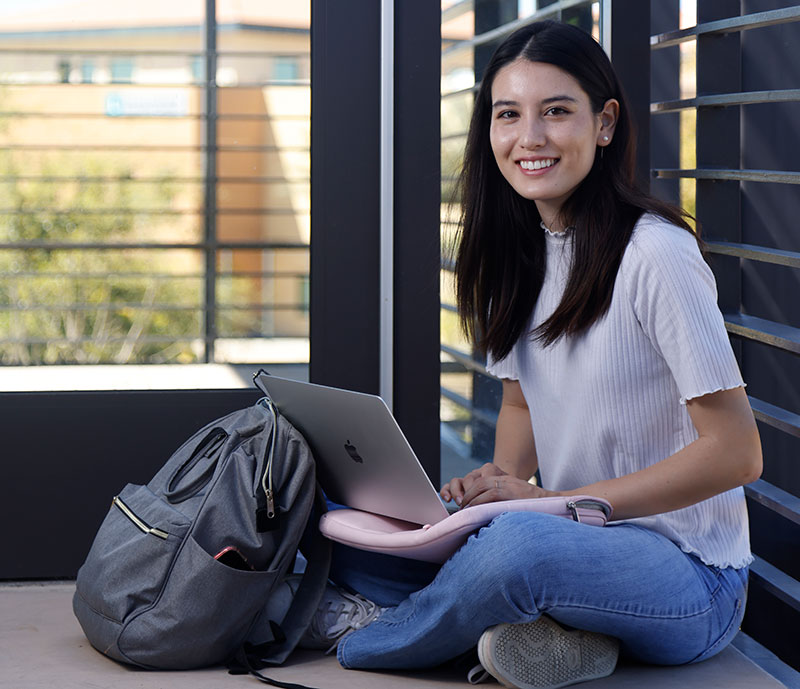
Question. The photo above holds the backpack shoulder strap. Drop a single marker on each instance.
(317, 551)
(284, 638)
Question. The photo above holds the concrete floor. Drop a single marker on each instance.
(42, 646)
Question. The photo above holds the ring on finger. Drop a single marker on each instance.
(496, 484)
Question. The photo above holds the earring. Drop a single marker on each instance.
(605, 138)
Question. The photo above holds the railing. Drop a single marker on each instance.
(192, 233)
(734, 237)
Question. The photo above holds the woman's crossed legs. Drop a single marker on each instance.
(663, 605)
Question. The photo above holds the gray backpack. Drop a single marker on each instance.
(185, 571)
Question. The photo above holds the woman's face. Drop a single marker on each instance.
(544, 134)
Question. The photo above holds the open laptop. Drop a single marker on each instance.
(363, 459)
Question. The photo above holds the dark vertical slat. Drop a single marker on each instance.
(769, 218)
(664, 86)
(580, 16)
(718, 201)
(630, 55)
(489, 14)
(210, 180)
(345, 170)
(416, 227)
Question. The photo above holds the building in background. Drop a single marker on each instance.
(104, 142)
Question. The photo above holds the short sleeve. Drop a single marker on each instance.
(674, 297)
(505, 368)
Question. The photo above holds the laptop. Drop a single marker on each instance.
(363, 459)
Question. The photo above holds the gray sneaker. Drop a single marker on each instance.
(339, 614)
(542, 655)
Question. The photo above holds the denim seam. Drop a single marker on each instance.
(340, 653)
(343, 642)
(716, 571)
(413, 603)
(724, 637)
(608, 611)
(711, 593)
(340, 649)
(735, 621)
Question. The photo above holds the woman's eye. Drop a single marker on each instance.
(555, 110)
(506, 115)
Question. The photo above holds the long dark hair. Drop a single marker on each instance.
(500, 260)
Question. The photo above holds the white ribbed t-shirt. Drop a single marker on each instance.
(612, 400)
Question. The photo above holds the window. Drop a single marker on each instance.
(121, 70)
(155, 218)
(87, 72)
(285, 69)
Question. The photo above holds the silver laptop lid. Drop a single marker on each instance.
(363, 459)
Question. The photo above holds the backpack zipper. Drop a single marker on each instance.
(266, 479)
(143, 526)
(214, 443)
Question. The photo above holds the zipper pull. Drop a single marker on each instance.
(270, 504)
(267, 519)
(573, 507)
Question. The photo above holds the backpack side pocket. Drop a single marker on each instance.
(202, 616)
(131, 554)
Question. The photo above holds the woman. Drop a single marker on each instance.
(598, 313)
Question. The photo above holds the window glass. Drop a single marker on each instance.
(121, 70)
(148, 216)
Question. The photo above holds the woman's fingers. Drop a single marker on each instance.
(500, 487)
(485, 489)
(457, 488)
(454, 490)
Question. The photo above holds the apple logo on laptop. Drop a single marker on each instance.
(351, 450)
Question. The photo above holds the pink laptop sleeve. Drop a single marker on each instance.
(436, 542)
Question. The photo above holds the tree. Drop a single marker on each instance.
(90, 306)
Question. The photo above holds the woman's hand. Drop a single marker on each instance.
(489, 483)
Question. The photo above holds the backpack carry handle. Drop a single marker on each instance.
(208, 449)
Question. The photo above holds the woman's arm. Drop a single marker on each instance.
(514, 448)
(726, 454)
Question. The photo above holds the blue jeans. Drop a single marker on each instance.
(665, 607)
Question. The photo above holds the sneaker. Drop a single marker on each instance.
(339, 614)
(542, 655)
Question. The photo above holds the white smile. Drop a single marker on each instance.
(537, 164)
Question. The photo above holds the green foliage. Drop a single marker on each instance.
(67, 305)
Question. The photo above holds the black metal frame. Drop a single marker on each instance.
(345, 219)
(210, 177)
